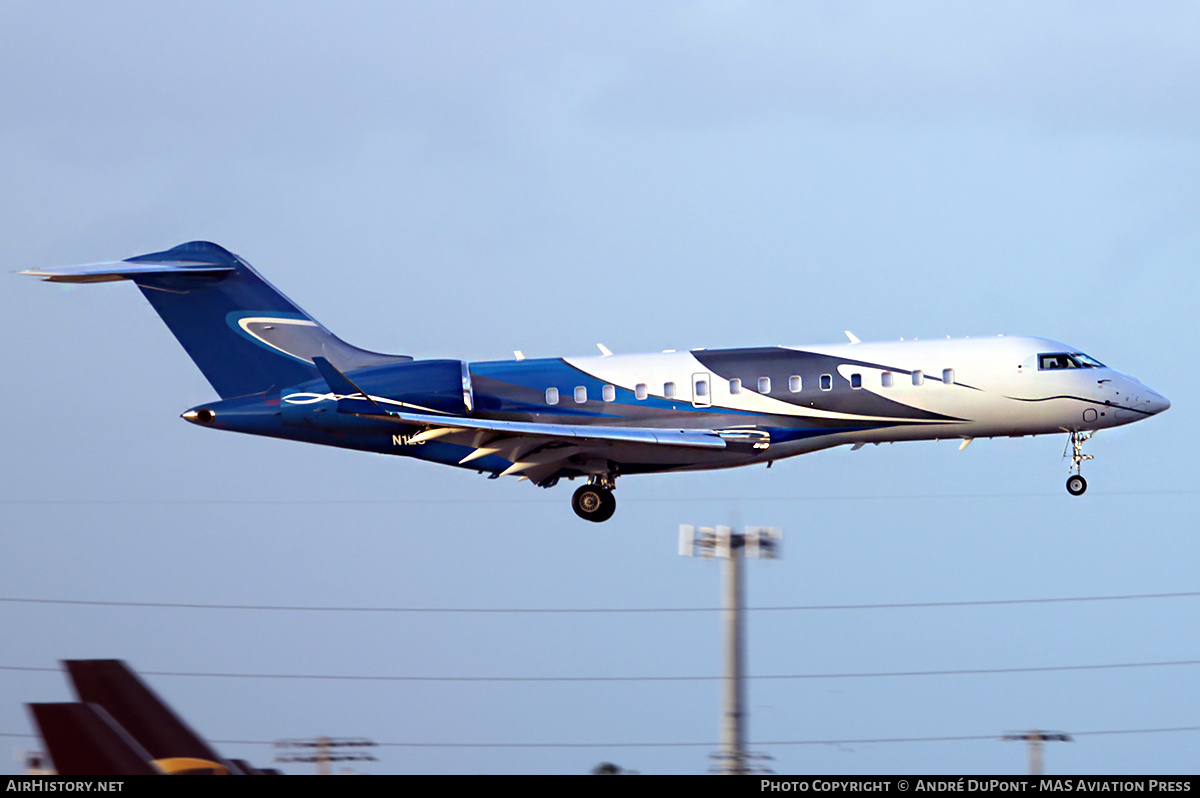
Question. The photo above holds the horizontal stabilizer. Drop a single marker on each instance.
(195, 258)
(124, 270)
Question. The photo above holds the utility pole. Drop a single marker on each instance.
(322, 753)
(1037, 740)
(760, 542)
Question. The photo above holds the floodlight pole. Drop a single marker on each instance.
(733, 729)
(723, 542)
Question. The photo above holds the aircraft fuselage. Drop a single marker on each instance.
(767, 403)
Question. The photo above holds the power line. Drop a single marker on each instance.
(764, 743)
(536, 679)
(596, 610)
(638, 500)
(710, 744)
(858, 741)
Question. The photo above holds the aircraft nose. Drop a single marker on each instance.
(1156, 402)
(1134, 401)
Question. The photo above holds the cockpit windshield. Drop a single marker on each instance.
(1088, 361)
(1064, 360)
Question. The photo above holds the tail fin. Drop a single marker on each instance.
(111, 684)
(83, 740)
(243, 334)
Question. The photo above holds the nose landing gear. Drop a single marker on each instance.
(1076, 484)
(594, 501)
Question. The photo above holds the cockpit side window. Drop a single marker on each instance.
(1087, 361)
(1057, 360)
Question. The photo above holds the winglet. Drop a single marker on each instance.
(604, 350)
(339, 383)
(853, 338)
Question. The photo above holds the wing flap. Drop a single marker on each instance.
(538, 460)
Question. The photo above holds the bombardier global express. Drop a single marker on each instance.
(280, 373)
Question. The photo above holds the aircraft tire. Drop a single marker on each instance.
(610, 506)
(593, 503)
(1076, 485)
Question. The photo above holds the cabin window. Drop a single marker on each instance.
(948, 376)
(735, 386)
(669, 390)
(826, 382)
(640, 390)
(885, 379)
(551, 396)
(918, 377)
(580, 394)
(701, 388)
(855, 380)
(794, 383)
(764, 384)
(608, 393)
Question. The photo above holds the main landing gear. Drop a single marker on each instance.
(1076, 484)
(594, 501)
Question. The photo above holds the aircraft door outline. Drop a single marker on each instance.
(701, 389)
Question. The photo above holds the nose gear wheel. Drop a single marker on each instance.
(1076, 484)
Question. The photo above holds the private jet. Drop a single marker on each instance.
(279, 373)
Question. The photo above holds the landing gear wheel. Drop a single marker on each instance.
(1076, 485)
(594, 503)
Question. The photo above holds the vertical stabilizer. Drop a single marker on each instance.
(111, 684)
(243, 334)
(83, 740)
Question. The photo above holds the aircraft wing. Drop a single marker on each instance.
(437, 426)
(536, 451)
(539, 451)
(695, 439)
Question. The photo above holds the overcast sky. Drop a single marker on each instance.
(466, 179)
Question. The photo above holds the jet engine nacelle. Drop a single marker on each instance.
(440, 386)
(423, 386)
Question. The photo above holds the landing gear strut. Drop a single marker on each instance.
(594, 501)
(1076, 484)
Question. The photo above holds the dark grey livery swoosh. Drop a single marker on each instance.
(778, 363)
